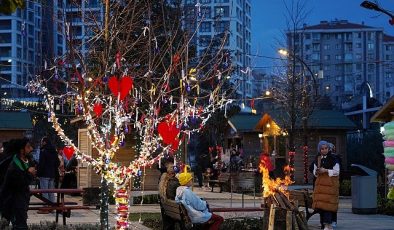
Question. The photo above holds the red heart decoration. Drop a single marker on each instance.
(68, 152)
(169, 133)
(98, 109)
(121, 88)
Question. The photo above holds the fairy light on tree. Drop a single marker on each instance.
(135, 78)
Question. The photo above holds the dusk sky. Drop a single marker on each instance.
(269, 22)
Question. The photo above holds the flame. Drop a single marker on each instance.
(270, 186)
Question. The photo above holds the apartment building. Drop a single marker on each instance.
(20, 49)
(349, 55)
(228, 19)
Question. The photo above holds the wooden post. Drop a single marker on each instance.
(289, 220)
(106, 20)
(271, 220)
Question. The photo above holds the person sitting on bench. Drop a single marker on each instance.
(197, 209)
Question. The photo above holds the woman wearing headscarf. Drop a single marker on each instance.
(326, 193)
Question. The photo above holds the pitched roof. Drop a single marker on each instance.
(329, 119)
(384, 114)
(388, 38)
(244, 122)
(319, 119)
(15, 121)
(335, 25)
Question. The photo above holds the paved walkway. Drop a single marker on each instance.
(346, 219)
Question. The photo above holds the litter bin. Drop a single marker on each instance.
(364, 190)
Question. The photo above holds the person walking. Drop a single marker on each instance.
(326, 192)
(15, 192)
(48, 167)
(197, 209)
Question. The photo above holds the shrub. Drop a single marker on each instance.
(148, 199)
(385, 206)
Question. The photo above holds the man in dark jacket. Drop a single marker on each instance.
(15, 194)
(48, 165)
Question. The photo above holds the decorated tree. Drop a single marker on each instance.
(136, 77)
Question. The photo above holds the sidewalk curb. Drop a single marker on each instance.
(138, 226)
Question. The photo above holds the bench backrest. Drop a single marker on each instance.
(171, 209)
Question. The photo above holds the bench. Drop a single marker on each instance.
(61, 207)
(178, 213)
(222, 180)
(303, 198)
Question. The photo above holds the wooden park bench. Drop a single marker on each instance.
(223, 179)
(60, 206)
(178, 213)
(303, 198)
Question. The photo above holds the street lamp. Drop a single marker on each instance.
(305, 114)
(373, 6)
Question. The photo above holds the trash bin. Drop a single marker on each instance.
(364, 190)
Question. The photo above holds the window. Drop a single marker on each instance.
(307, 47)
(370, 46)
(338, 57)
(205, 27)
(358, 66)
(387, 57)
(205, 1)
(307, 36)
(358, 56)
(338, 67)
(206, 12)
(371, 35)
(388, 47)
(221, 11)
(358, 35)
(326, 68)
(5, 38)
(204, 40)
(5, 24)
(358, 45)
(316, 57)
(5, 51)
(221, 26)
(338, 78)
(316, 47)
(326, 47)
(338, 46)
(348, 57)
(221, 1)
(190, 13)
(190, 1)
(326, 57)
(338, 36)
(315, 36)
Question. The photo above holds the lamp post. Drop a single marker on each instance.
(374, 6)
(305, 113)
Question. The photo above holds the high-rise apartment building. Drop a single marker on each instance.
(217, 19)
(351, 57)
(20, 49)
(82, 18)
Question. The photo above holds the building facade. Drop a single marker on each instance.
(20, 49)
(348, 55)
(230, 22)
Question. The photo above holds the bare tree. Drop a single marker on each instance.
(295, 88)
(136, 73)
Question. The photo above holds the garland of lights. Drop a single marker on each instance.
(112, 172)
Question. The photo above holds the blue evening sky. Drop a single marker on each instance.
(269, 22)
